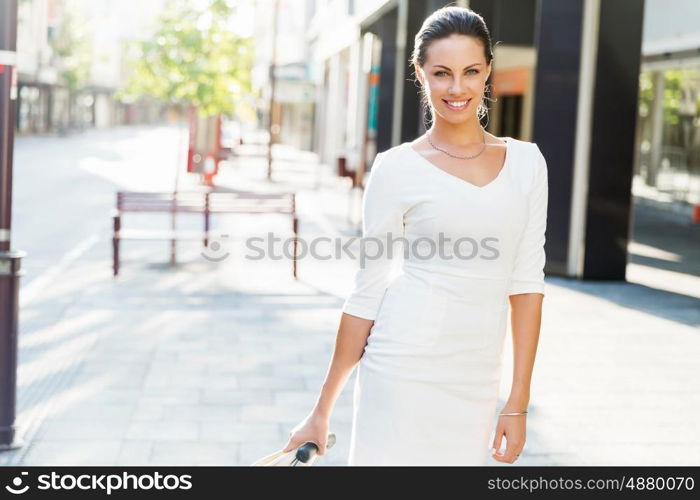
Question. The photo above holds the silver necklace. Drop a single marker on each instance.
(457, 156)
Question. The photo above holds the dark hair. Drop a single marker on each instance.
(451, 20)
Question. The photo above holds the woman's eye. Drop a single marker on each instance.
(440, 73)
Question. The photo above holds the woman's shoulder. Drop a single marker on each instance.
(391, 161)
(528, 153)
(528, 164)
(526, 147)
(394, 151)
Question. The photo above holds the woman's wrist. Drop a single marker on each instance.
(517, 402)
(320, 412)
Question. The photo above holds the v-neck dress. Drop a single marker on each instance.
(426, 386)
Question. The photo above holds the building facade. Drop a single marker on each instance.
(565, 75)
(667, 166)
(294, 91)
(47, 102)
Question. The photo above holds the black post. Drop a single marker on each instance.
(9, 260)
(584, 120)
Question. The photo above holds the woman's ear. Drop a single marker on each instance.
(419, 74)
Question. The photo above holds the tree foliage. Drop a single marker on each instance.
(676, 82)
(194, 58)
(71, 45)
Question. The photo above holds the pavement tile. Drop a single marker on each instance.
(163, 430)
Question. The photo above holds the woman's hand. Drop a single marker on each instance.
(313, 428)
(512, 427)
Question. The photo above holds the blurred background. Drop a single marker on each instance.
(161, 351)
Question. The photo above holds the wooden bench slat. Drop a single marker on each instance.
(151, 208)
(197, 202)
(147, 234)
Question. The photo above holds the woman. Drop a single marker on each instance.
(429, 342)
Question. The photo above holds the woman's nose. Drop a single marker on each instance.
(456, 86)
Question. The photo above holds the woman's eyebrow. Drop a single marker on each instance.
(441, 66)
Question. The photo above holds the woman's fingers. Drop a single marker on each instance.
(512, 449)
(295, 442)
(514, 433)
(291, 444)
(511, 454)
(311, 429)
(498, 439)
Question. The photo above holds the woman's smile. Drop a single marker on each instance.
(457, 105)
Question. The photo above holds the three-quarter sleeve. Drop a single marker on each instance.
(528, 271)
(382, 221)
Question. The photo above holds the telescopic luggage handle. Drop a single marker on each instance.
(308, 450)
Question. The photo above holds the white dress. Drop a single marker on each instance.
(426, 386)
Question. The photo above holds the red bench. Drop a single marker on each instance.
(204, 202)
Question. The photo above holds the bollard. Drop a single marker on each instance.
(9, 259)
(10, 272)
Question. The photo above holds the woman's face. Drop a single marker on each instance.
(454, 77)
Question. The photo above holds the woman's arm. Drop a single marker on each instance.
(350, 343)
(526, 293)
(382, 221)
(526, 314)
(526, 317)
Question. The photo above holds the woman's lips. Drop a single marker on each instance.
(449, 106)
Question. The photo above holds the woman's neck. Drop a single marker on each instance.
(462, 134)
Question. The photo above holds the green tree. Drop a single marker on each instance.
(70, 42)
(646, 93)
(194, 58)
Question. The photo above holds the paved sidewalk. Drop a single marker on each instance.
(214, 363)
(205, 363)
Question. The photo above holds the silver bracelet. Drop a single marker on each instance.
(514, 413)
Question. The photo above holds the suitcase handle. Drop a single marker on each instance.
(308, 450)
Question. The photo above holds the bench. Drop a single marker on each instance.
(204, 202)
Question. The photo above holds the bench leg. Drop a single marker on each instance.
(115, 257)
(173, 226)
(295, 227)
(117, 223)
(206, 228)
